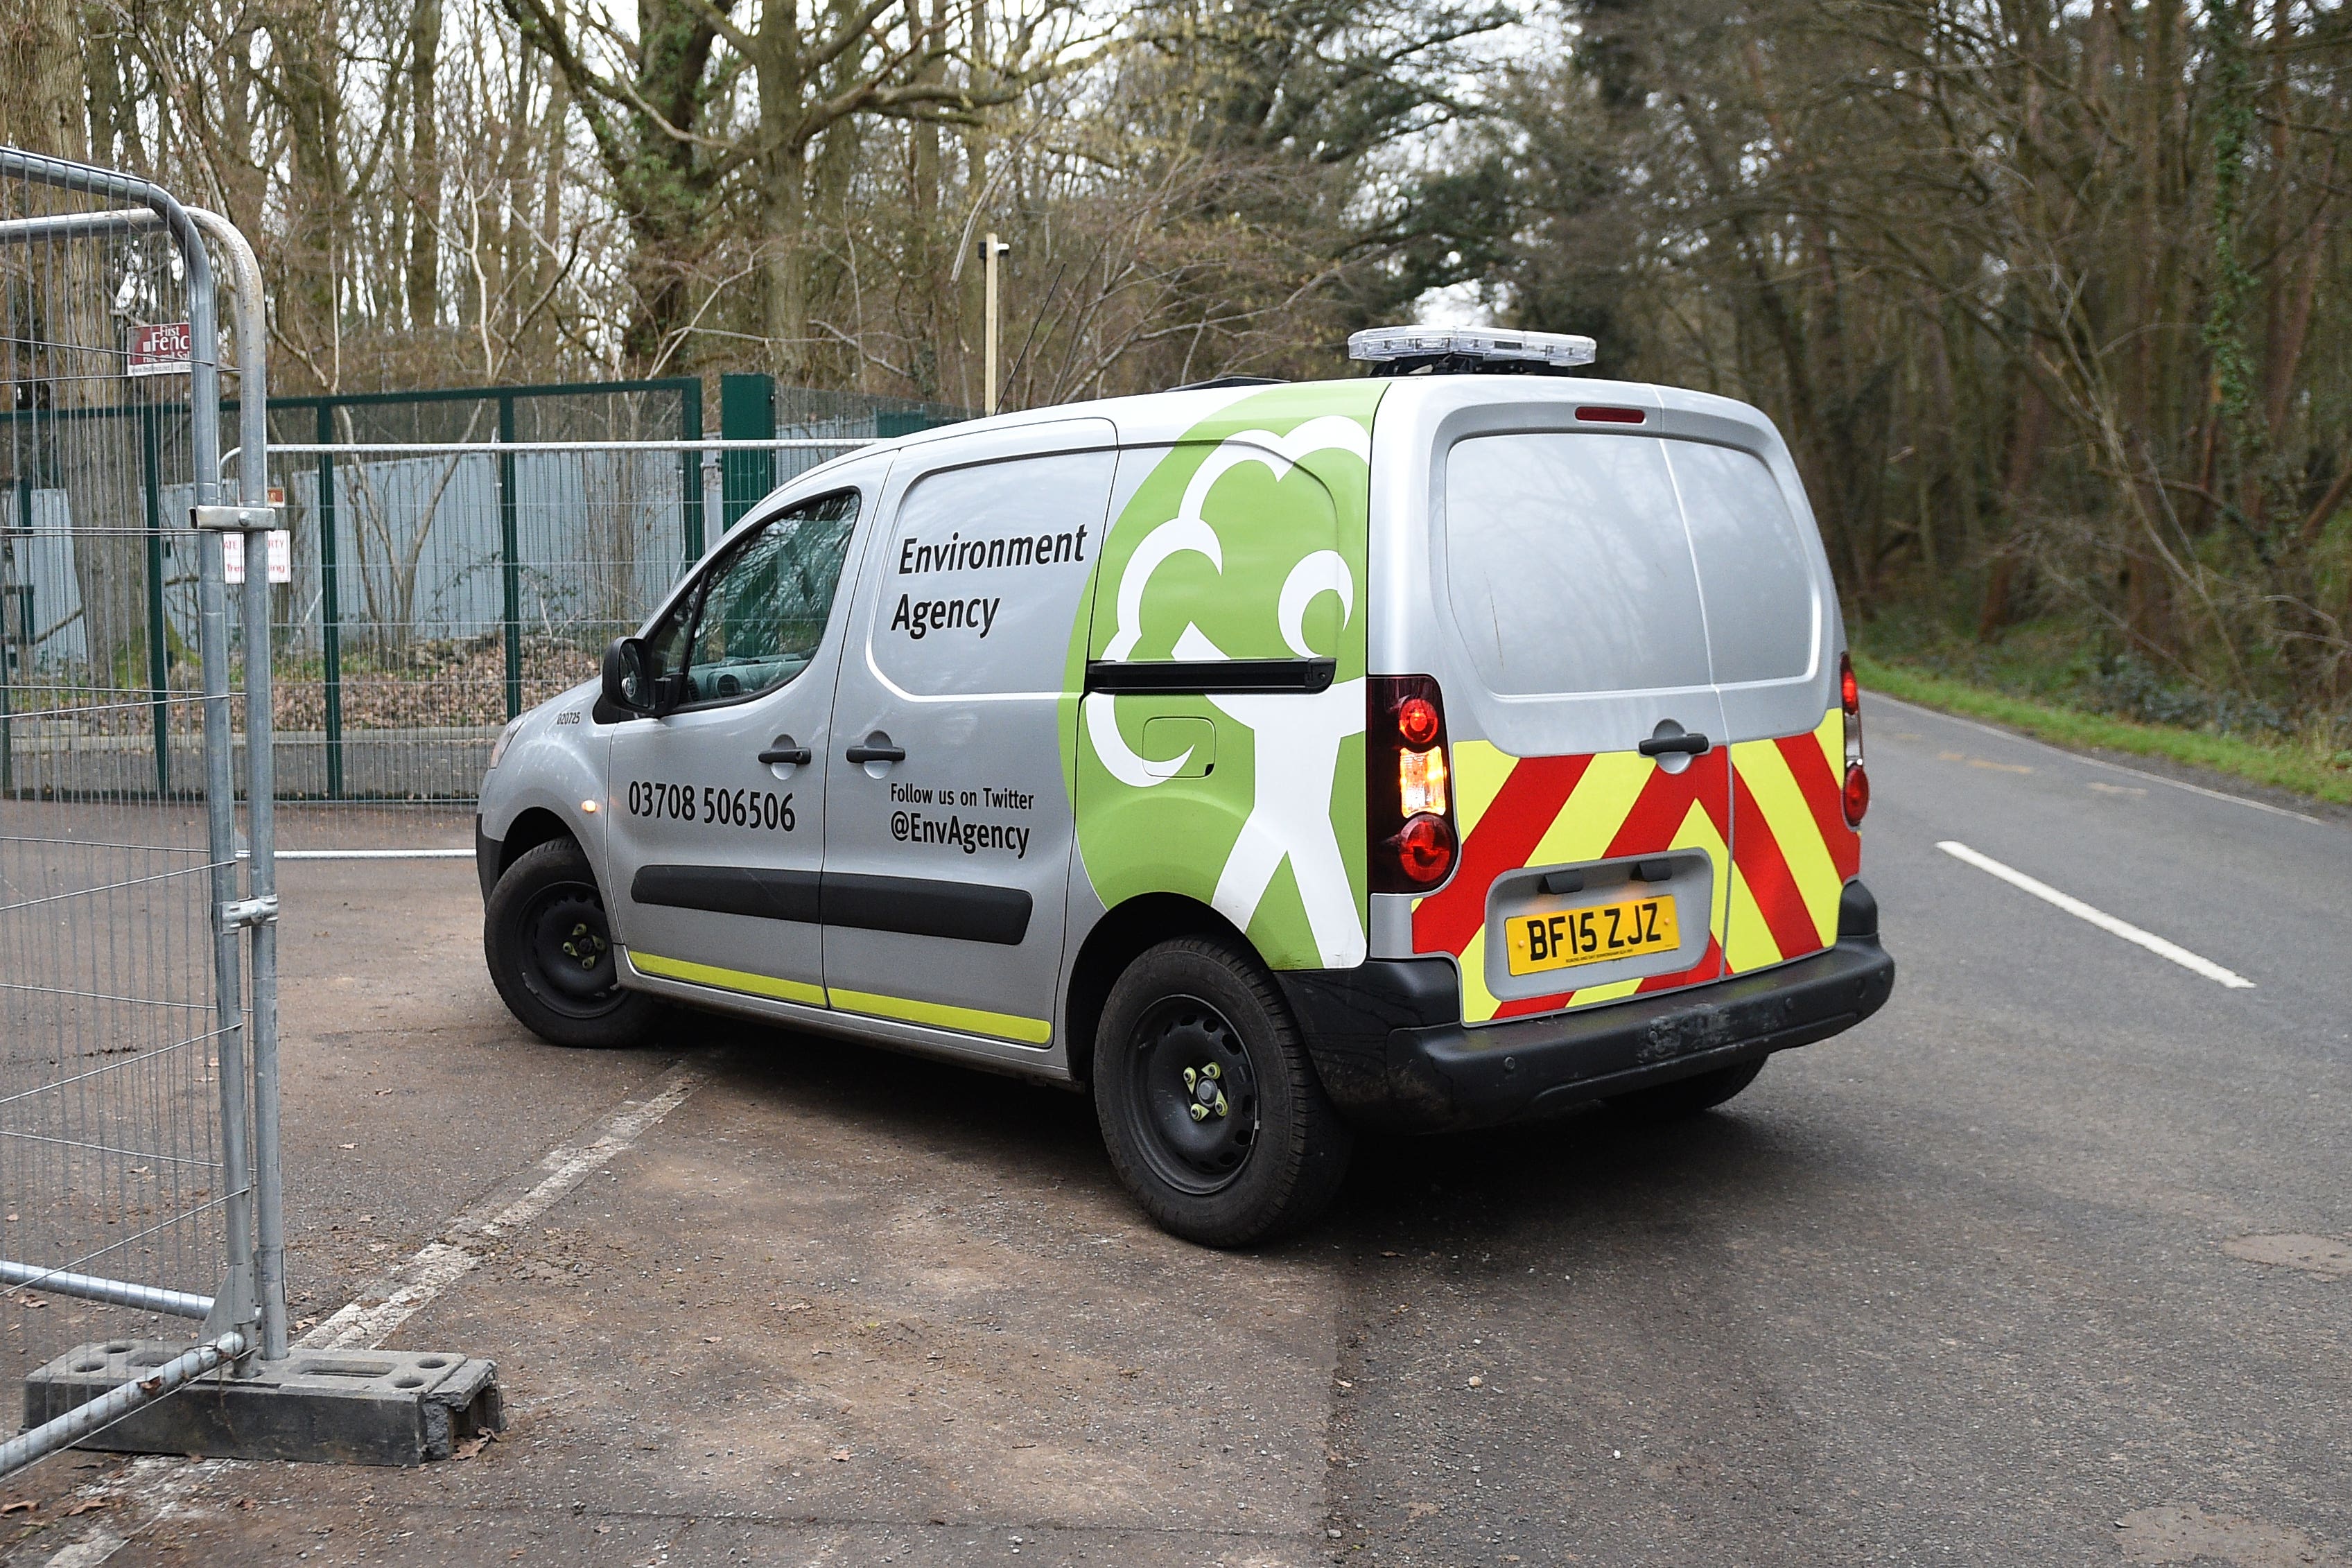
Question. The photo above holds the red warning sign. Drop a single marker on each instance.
(163, 349)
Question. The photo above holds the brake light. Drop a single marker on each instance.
(1857, 781)
(1418, 722)
(1408, 797)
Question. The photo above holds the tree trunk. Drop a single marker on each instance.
(423, 270)
(783, 262)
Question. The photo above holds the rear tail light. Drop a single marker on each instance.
(1857, 781)
(1409, 794)
(1424, 850)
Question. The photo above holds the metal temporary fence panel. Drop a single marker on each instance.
(127, 1208)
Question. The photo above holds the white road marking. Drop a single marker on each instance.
(159, 1484)
(2099, 918)
(368, 854)
(440, 1262)
(2101, 762)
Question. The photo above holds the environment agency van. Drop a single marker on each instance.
(1433, 750)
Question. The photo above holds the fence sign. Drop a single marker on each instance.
(162, 349)
(281, 555)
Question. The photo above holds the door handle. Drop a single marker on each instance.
(868, 751)
(798, 756)
(1692, 745)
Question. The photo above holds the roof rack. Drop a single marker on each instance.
(1468, 351)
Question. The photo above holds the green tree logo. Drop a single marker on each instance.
(1246, 540)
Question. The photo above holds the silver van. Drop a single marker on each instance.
(1432, 750)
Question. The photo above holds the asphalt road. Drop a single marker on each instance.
(2051, 1261)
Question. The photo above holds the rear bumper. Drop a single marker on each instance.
(1386, 1037)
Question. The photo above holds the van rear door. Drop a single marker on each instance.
(1772, 637)
(1595, 857)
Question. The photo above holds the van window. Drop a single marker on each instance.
(982, 572)
(755, 619)
(1755, 567)
(1567, 565)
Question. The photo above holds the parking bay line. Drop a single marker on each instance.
(470, 1238)
(2100, 918)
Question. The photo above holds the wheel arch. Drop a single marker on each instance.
(532, 828)
(1116, 941)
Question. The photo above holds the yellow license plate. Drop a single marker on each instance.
(1563, 940)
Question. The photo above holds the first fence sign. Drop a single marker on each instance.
(163, 349)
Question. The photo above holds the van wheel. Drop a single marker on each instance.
(1690, 1095)
(550, 952)
(1214, 1116)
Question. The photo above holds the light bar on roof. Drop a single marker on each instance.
(1388, 344)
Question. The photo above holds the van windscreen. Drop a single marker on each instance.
(1567, 565)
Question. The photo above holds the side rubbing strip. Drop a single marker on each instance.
(731, 890)
(915, 905)
(1208, 675)
(920, 906)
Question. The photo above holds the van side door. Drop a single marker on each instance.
(949, 825)
(716, 810)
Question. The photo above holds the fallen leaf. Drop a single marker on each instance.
(87, 1505)
(840, 1455)
(473, 1446)
(26, 1506)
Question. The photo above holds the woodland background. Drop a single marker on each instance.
(2052, 300)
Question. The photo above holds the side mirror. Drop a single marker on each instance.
(626, 689)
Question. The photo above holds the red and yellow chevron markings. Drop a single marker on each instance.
(1792, 849)
(1767, 813)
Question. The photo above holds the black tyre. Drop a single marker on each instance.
(1690, 1095)
(550, 952)
(1213, 1115)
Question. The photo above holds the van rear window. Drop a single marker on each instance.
(1755, 567)
(1568, 567)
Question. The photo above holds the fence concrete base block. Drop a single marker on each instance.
(351, 1407)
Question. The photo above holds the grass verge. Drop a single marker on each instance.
(2283, 765)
